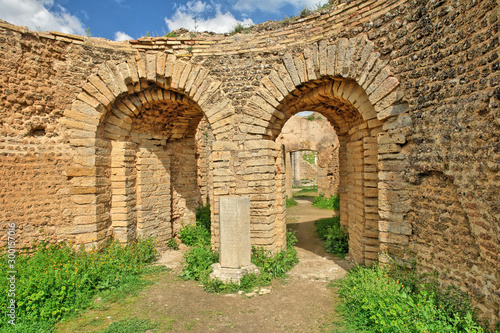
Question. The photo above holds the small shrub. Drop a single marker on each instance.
(55, 281)
(192, 235)
(334, 236)
(198, 234)
(305, 12)
(278, 264)
(374, 301)
(290, 202)
(170, 34)
(237, 29)
(327, 203)
(198, 261)
(311, 117)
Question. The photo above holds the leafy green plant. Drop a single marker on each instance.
(55, 281)
(290, 202)
(172, 244)
(373, 301)
(278, 264)
(203, 217)
(198, 234)
(327, 203)
(171, 34)
(333, 235)
(312, 117)
(192, 235)
(198, 261)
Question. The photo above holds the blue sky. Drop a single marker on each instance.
(129, 19)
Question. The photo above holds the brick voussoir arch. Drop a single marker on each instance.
(352, 72)
(110, 99)
(376, 94)
(138, 75)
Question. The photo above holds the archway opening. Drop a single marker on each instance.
(346, 107)
(149, 139)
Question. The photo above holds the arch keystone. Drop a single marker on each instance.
(101, 87)
(384, 89)
(331, 59)
(301, 68)
(285, 77)
(310, 64)
(169, 65)
(117, 78)
(290, 67)
(134, 74)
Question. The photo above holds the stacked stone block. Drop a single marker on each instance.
(123, 187)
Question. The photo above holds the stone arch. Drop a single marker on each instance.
(351, 84)
(106, 164)
(139, 75)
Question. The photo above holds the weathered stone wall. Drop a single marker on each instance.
(411, 88)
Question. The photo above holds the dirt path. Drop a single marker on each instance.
(301, 303)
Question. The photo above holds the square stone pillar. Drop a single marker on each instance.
(234, 249)
(288, 174)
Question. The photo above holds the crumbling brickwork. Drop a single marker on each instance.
(411, 88)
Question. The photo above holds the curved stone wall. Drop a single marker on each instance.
(410, 86)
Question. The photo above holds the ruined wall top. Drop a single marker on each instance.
(339, 20)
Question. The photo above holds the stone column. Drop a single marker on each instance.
(234, 249)
(123, 178)
(288, 174)
(296, 168)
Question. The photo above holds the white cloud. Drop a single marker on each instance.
(274, 5)
(208, 18)
(41, 15)
(121, 36)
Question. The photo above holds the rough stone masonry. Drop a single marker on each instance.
(98, 138)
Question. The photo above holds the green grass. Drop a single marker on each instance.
(290, 202)
(323, 202)
(309, 189)
(310, 157)
(378, 299)
(334, 236)
(130, 325)
(57, 281)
